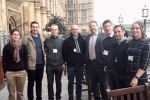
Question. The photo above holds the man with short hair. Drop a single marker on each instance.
(94, 61)
(35, 46)
(109, 44)
(74, 53)
(121, 57)
(54, 62)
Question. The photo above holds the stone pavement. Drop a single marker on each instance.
(4, 92)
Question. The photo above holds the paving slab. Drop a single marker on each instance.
(4, 91)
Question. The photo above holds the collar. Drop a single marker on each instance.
(71, 36)
(121, 41)
(95, 33)
(111, 35)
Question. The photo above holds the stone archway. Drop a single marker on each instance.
(12, 24)
(14, 20)
(14, 14)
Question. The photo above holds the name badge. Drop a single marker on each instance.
(54, 50)
(116, 60)
(105, 52)
(74, 50)
(130, 58)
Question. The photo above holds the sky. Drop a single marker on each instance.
(130, 10)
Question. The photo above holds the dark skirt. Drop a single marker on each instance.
(141, 81)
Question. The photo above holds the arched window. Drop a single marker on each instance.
(70, 1)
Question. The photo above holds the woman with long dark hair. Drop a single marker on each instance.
(138, 56)
(15, 65)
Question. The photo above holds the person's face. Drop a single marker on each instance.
(118, 33)
(74, 30)
(34, 28)
(15, 36)
(54, 30)
(108, 28)
(93, 27)
(136, 31)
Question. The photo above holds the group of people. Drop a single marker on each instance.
(110, 60)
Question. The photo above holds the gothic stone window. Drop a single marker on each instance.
(82, 1)
(83, 30)
(70, 1)
(83, 16)
(70, 16)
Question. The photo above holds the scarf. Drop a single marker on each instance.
(77, 44)
(17, 46)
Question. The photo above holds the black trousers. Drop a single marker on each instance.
(120, 80)
(35, 76)
(51, 71)
(98, 79)
(76, 72)
(111, 79)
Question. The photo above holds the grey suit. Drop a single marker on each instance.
(95, 68)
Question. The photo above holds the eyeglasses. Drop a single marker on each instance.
(16, 34)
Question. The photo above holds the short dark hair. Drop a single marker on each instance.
(34, 22)
(93, 21)
(14, 31)
(122, 28)
(107, 21)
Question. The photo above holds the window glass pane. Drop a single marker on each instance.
(70, 1)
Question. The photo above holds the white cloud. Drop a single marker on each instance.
(130, 10)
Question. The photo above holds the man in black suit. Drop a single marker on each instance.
(109, 44)
(121, 57)
(94, 60)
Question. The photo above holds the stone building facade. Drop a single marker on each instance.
(20, 13)
(79, 12)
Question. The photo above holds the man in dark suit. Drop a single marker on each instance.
(94, 60)
(109, 44)
(121, 57)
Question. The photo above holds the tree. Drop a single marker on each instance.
(58, 21)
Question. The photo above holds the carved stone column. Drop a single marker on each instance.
(28, 15)
(43, 19)
(3, 18)
(37, 12)
(48, 5)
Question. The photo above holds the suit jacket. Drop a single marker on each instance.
(98, 48)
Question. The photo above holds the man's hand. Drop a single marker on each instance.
(105, 68)
(128, 39)
(64, 68)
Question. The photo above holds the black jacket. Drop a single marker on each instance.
(50, 44)
(98, 48)
(109, 44)
(122, 58)
(8, 61)
(72, 58)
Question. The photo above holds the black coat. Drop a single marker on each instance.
(109, 44)
(72, 58)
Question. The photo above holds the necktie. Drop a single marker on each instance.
(92, 47)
